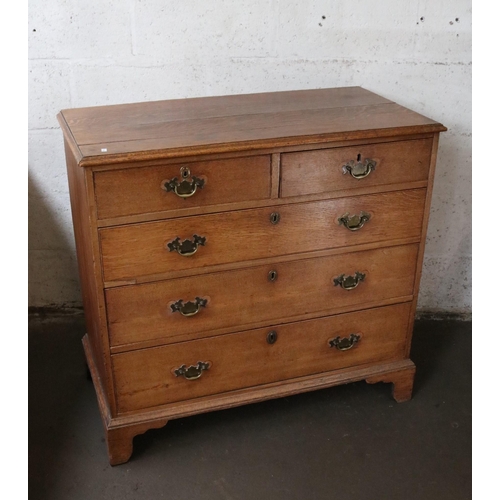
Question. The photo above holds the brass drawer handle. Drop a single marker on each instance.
(354, 222)
(359, 170)
(349, 282)
(346, 343)
(192, 372)
(189, 308)
(186, 188)
(187, 247)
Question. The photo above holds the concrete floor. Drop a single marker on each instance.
(347, 442)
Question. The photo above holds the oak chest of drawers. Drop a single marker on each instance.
(240, 248)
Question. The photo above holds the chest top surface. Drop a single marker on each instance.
(160, 129)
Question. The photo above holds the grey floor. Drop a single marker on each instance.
(347, 442)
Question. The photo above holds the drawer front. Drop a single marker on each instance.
(321, 171)
(141, 190)
(244, 297)
(146, 378)
(141, 250)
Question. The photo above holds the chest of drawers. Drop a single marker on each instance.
(240, 248)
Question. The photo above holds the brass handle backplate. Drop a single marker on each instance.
(346, 343)
(192, 372)
(184, 188)
(186, 248)
(354, 222)
(358, 169)
(349, 282)
(189, 308)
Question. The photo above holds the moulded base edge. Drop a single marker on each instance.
(120, 430)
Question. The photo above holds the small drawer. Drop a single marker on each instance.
(162, 375)
(329, 170)
(245, 297)
(133, 191)
(143, 250)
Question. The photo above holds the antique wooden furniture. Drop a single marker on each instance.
(234, 249)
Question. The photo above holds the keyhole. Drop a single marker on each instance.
(275, 218)
(359, 157)
(272, 275)
(185, 172)
(272, 337)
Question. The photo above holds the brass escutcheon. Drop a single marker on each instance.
(272, 275)
(272, 337)
(275, 218)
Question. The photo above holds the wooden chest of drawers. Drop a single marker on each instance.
(240, 248)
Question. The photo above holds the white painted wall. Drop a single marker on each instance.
(414, 52)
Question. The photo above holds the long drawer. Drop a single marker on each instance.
(157, 376)
(235, 299)
(144, 190)
(328, 170)
(142, 250)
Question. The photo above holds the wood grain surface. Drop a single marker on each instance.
(321, 171)
(85, 233)
(140, 250)
(145, 378)
(401, 380)
(243, 297)
(214, 124)
(420, 259)
(139, 190)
